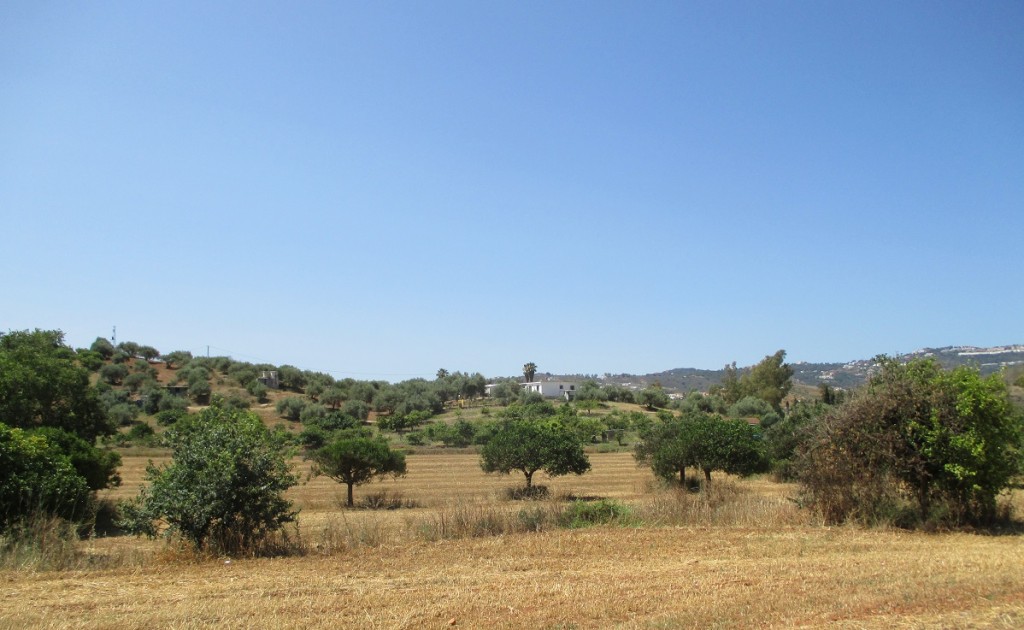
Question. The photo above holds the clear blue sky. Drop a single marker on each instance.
(382, 189)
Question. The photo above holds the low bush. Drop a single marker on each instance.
(385, 500)
(527, 493)
(601, 512)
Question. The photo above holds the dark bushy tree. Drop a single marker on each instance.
(41, 386)
(224, 488)
(103, 347)
(37, 478)
(945, 442)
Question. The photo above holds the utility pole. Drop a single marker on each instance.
(113, 337)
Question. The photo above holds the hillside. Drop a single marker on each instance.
(846, 375)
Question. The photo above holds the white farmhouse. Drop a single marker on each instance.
(547, 389)
(552, 389)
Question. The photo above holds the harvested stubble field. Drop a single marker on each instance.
(744, 556)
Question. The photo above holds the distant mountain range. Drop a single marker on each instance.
(845, 375)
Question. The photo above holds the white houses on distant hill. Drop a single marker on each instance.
(547, 389)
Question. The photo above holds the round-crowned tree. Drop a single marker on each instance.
(532, 445)
(354, 459)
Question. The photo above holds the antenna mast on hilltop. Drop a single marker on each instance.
(113, 337)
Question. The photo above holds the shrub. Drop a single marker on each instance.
(223, 490)
(527, 493)
(141, 433)
(290, 408)
(37, 479)
(169, 417)
(590, 513)
(312, 413)
(749, 407)
(123, 414)
(258, 391)
(384, 500)
(946, 443)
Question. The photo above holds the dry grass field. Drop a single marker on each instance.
(741, 556)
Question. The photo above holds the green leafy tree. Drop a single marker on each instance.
(37, 478)
(137, 380)
(114, 373)
(103, 347)
(750, 407)
(42, 386)
(529, 371)
(665, 447)
(731, 390)
(130, 348)
(730, 446)
(224, 488)
(590, 391)
(357, 409)
(333, 397)
(177, 359)
(402, 422)
(770, 380)
(946, 442)
(313, 413)
(258, 391)
(90, 360)
(355, 459)
(530, 445)
(291, 408)
(784, 438)
(618, 393)
(199, 391)
(703, 441)
(149, 353)
(505, 392)
(291, 378)
(652, 398)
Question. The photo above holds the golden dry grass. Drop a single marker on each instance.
(602, 577)
(745, 557)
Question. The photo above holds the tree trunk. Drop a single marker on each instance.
(707, 476)
(351, 503)
(682, 476)
(529, 480)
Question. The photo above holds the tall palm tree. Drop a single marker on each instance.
(529, 370)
